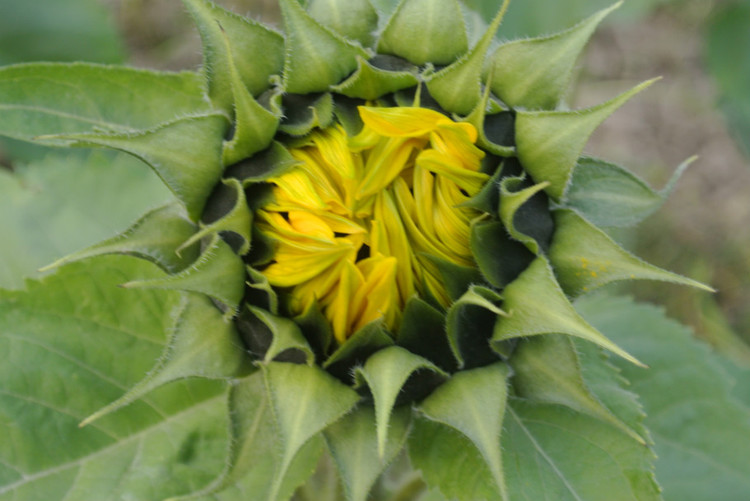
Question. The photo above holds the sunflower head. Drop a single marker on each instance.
(390, 215)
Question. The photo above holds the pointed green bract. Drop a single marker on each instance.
(535, 73)
(536, 305)
(96, 97)
(285, 334)
(457, 87)
(510, 201)
(155, 237)
(481, 121)
(584, 257)
(218, 273)
(370, 82)
(385, 373)
(253, 455)
(316, 58)
(449, 463)
(254, 125)
(305, 401)
(238, 220)
(353, 444)
(609, 195)
(202, 344)
(352, 19)
(547, 369)
(425, 31)
(304, 113)
(185, 153)
(473, 402)
(220, 30)
(550, 142)
(469, 323)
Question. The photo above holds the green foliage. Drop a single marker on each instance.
(66, 358)
(700, 429)
(64, 203)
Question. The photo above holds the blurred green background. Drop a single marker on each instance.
(701, 107)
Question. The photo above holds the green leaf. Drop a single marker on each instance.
(550, 142)
(609, 195)
(457, 87)
(316, 58)
(223, 34)
(473, 402)
(535, 73)
(537, 305)
(254, 457)
(218, 273)
(424, 31)
(584, 258)
(352, 19)
(202, 344)
(74, 342)
(548, 369)
(51, 30)
(96, 97)
(699, 429)
(354, 447)
(69, 203)
(305, 401)
(385, 373)
(155, 237)
(552, 452)
(185, 153)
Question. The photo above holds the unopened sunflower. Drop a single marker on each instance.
(382, 223)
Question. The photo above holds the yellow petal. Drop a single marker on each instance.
(400, 122)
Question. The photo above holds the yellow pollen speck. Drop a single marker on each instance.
(358, 225)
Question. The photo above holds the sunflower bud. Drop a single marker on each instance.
(386, 226)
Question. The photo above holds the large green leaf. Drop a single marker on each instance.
(59, 205)
(552, 452)
(72, 343)
(51, 98)
(699, 429)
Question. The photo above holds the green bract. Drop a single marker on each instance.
(484, 394)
